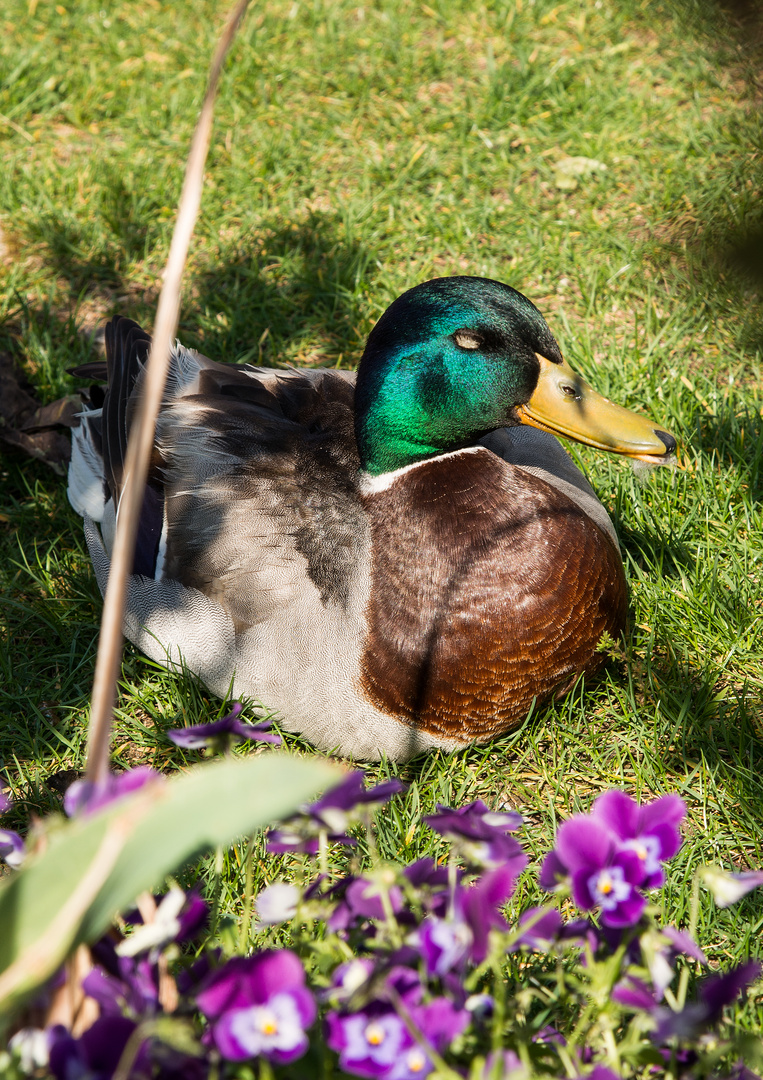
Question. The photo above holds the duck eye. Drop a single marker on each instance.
(467, 339)
(570, 391)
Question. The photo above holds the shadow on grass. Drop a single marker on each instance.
(737, 442)
(298, 289)
(719, 241)
(301, 286)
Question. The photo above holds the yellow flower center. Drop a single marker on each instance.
(375, 1034)
(416, 1061)
(641, 852)
(605, 884)
(269, 1024)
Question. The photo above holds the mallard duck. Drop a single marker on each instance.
(392, 563)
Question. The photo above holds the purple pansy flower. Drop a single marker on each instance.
(30, 1047)
(178, 917)
(650, 831)
(5, 802)
(224, 733)
(289, 839)
(362, 899)
(480, 833)
(713, 995)
(603, 873)
(368, 1043)
(331, 814)
(741, 1072)
(259, 1006)
(85, 797)
(444, 944)
(120, 983)
(634, 993)
(483, 901)
(545, 927)
(97, 1052)
(349, 978)
(331, 809)
(480, 1006)
(376, 1042)
(12, 848)
(431, 884)
(659, 951)
(192, 918)
(681, 942)
(426, 872)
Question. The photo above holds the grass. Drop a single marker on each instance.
(358, 150)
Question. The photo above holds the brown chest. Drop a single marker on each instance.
(489, 588)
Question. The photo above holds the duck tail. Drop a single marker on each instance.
(99, 444)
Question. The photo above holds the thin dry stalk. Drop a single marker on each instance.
(144, 426)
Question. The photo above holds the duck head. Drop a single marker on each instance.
(455, 358)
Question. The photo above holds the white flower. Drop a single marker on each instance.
(277, 903)
(728, 888)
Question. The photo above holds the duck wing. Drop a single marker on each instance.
(252, 480)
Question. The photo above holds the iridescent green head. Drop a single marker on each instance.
(448, 361)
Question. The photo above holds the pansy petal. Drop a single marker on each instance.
(103, 1043)
(84, 797)
(553, 873)
(12, 848)
(669, 838)
(634, 994)
(618, 812)
(581, 893)
(654, 881)
(481, 904)
(256, 732)
(227, 1040)
(669, 810)
(250, 980)
(584, 844)
(631, 865)
(727, 889)
(343, 796)
(683, 943)
(277, 903)
(440, 1022)
(721, 990)
(627, 913)
(543, 926)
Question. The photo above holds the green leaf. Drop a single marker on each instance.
(86, 871)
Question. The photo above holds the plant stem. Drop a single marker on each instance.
(143, 427)
(499, 1000)
(683, 983)
(246, 918)
(214, 916)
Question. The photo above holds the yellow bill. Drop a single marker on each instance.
(564, 404)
